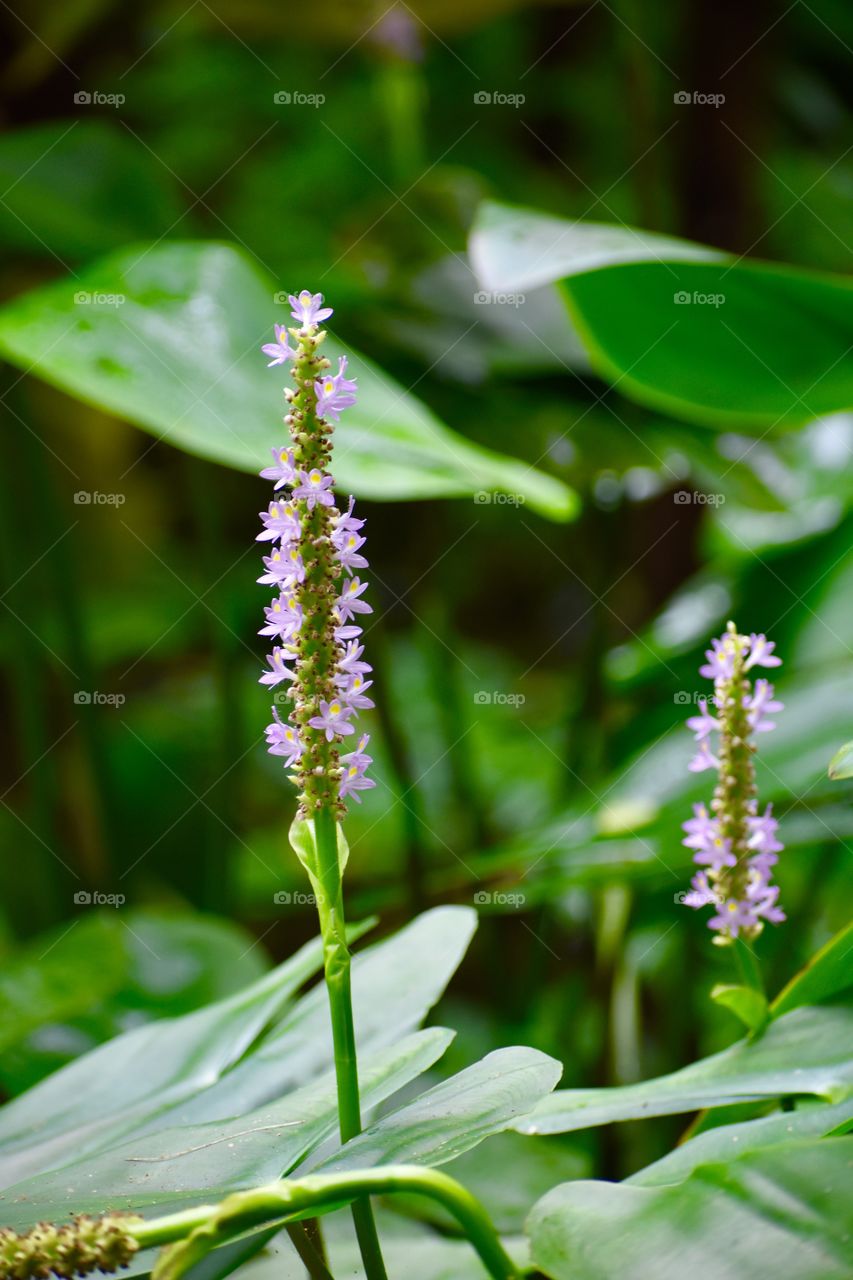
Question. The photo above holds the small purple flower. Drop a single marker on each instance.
(335, 392)
(733, 917)
(762, 832)
(354, 693)
(701, 894)
(282, 471)
(279, 670)
(284, 618)
(283, 740)
(704, 759)
(761, 653)
(346, 522)
(763, 897)
(761, 703)
(350, 664)
(720, 660)
(700, 828)
(314, 487)
(347, 549)
(349, 603)
(281, 520)
(279, 569)
(308, 308)
(333, 718)
(704, 723)
(280, 350)
(354, 766)
(716, 854)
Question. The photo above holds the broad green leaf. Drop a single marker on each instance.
(807, 1051)
(456, 1115)
(826, 975)
(841, 764)
(747, 1004)
(173, 346)
(783, 1212)
(185, 1163)
(78, 188)
(226, 1074)
(681, 328)
(811, 1119)
(118, 1087)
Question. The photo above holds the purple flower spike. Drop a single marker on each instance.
(315, 551)
(307, 308)
(735, 845)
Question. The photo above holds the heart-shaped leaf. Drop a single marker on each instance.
(168, 336)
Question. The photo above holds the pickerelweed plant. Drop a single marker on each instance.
(735, 846)
(318, 657)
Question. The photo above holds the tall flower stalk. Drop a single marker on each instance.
(317, 667)
(734, 845)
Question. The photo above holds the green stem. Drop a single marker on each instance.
(748, 964)
(213, 1224)
(336, 960)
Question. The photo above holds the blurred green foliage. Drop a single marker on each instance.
(532, 675)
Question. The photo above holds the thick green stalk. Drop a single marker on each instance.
(748, 965)
(336, 960)
(211, 1225)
